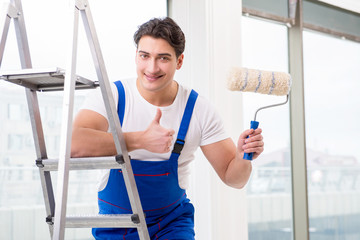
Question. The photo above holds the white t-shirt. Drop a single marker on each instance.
(205, 127)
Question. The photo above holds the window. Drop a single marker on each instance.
(264, 46)
(332, 146)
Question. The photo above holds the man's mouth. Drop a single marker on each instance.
(152, 77)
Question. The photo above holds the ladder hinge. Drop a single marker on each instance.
(49, 220)
(39, 163)
(81, 4)
(135, 219)
(120, 159)
(12, 11)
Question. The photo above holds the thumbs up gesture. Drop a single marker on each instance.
(156, 138)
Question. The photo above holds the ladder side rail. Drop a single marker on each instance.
(36, 124)
(66, 129)
(102, 76)
(41, 153)
(49, 198)
(8, 12)
(113, 118)
(15, 11)
(22, 40)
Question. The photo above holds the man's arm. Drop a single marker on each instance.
(90, 137)
(227, 159)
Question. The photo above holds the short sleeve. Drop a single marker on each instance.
(94, 100)
(211, 124)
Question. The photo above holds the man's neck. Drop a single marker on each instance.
(160, 98)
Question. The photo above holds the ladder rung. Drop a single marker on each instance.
(102, 221)
(81, 163)
(51, 79)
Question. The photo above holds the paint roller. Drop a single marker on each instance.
(258, 81)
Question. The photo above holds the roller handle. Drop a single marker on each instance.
(253, 125)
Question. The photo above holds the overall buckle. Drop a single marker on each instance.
(178, 146)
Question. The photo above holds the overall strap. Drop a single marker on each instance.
(184, 126)
(121, 102)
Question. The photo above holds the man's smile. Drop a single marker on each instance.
(150, 77)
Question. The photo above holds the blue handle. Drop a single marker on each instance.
(253, 125)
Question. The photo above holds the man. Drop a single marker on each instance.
(163, 124)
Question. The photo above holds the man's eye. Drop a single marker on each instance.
(164, 58)
(143, 56)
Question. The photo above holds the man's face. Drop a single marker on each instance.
(156, 63)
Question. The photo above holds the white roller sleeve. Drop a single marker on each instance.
(258, 81)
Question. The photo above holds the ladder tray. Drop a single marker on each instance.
(50, 79)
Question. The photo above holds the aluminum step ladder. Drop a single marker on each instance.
(56, 79)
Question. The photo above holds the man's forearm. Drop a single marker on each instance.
(87, 142)
(238, 172)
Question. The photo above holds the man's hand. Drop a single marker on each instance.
(156, 138)
(253, 144)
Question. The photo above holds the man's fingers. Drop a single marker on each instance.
(171, 132)
(250, 133)
(158, 116)
(162, 138)
(253, 138)
(170, 142)
(254, 144)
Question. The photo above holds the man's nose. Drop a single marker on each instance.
(153, 66)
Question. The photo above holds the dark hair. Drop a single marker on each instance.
(166, 29)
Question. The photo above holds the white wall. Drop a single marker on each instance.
(213, 31)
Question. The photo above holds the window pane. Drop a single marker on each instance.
(14, 141)
(14, 111)
(22, 212)
(264, 46)
(332, 115)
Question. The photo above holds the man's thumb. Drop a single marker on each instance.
(158, 116)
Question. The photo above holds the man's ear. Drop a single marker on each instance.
(180, 61)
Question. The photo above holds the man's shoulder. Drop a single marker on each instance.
(202, 104)
(185, 91)
(126, 82)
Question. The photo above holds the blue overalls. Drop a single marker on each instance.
(169, 214)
